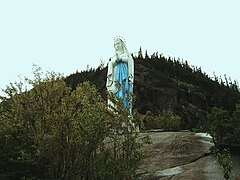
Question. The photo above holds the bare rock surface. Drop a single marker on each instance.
(179, 155)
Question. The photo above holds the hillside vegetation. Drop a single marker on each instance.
(63, 127)
(172, 84)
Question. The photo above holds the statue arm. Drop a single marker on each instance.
(131, 70)
(109, 74)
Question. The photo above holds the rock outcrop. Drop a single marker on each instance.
(179, 155)
(156, 91)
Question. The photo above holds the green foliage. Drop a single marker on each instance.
(167, 121)
(224, 159)
(149, 121)
(224, 126)
(54, 132)
(235, 123)
(219, 126)
(220, 93)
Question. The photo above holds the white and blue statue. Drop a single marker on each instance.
(121, 72)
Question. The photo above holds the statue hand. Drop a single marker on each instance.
(119, 60)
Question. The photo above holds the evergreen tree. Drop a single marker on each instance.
(140, 56)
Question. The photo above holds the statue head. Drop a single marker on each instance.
(118, 45)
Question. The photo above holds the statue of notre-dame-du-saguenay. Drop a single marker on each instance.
(120, 75)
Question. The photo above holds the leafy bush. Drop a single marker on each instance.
(224, 159)
(219, 129)
(224, 126)
(149, 121)
(167, 121)
(53, 132)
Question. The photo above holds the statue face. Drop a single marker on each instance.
(118, 45)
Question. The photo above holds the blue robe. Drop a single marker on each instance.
(121, 76)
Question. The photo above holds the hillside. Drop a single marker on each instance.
(53, 125)
(162, 83)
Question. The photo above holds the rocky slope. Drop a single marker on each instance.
(162, 83)
(179, 155)
(155, 91)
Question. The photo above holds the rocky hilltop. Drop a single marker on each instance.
(162, 83)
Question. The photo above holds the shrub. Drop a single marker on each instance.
(53, 132)
(169, 121)
(149, 121)
(224, 159)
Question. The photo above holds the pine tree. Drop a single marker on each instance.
(140, 56)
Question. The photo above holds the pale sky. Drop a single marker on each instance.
(66, 35)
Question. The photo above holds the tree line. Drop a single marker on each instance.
(221, 92)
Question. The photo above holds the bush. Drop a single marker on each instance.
(149, 121)
(53, 132)
(224, 126)
(224, 159)
(167, 121)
